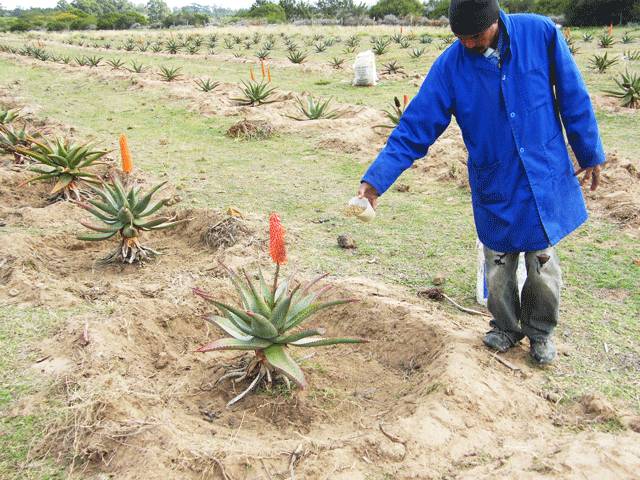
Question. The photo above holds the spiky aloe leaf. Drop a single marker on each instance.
(262, 326)
(248, 300)
(266, 329)
(109, 229)
(279, 314)
(153, 223)
(105, 207)
(102, 216)
(311, 310)
(280, 359)
(144, 201)
(95, 237)
(234, 319)
(155, 208)
(320, 341)
(228, 326)
(62, 183)
(259, 301)
(314, 332)
(267, 294)
(300, 304)
(235, 344)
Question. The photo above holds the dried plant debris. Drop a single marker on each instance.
(251, 130)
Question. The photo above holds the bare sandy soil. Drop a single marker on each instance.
(423, 400)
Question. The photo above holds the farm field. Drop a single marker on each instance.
(99, 377)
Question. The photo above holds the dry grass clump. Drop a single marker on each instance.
(83, 430)
(225, 233)
(251, 130)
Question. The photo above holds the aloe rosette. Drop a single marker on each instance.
(266, 320)
(65, 163)
(127, 213)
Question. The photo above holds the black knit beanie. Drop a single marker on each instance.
(468, 17)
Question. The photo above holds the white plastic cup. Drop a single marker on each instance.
(368, 213)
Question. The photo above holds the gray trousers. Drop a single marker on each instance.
(535, 313)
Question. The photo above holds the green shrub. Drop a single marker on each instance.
(21, 25)
(399, 8)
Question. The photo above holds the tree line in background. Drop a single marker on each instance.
(123, 14)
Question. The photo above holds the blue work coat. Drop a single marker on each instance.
(524, 192)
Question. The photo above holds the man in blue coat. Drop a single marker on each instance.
(512, 84)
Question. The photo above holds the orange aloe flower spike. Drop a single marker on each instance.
(253, 77)
(405, 100)
(277, 247)
(127, 163)
(269, 73)
(262, 67)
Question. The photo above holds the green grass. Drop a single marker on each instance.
(19, 328)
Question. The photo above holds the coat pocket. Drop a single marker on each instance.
(487, 184)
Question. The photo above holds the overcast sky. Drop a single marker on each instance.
(11, 4)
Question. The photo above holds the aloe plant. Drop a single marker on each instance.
(395, 113)
(628, 90)
(632, 55)
(380, 46)
(169, 74)
(605, 40)
(265, 323)
(137, 67)
(417, 52)
(297, 56)
(337, 63)
(263, 54)
(255, 93)
(172, 46)
(115, 63)
(206, 84)
(126, 213)
(397, 37)
(65, 163)
(352, 41)
(426, 39)
(8, 116)
(392, 68)
(315, 109)
(601, 62)
(626, 38)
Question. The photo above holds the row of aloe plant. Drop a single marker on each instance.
(269, 318)
(123, 209)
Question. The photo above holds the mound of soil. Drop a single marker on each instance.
(619, 193)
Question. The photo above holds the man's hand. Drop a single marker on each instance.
(368, 192)
(592, 173)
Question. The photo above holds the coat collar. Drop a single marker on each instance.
(506, 26)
